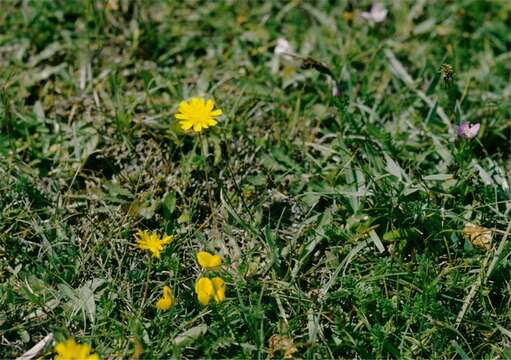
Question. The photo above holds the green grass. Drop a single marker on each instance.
(339, 219)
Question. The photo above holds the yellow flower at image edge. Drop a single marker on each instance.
(197, 114)
(152, 242)
(71, 350)
(207, 289)
(166, 301)
(208, 261)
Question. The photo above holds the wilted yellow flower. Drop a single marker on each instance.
(207, 289)
(166, 301)
(71, 350)
(479, 236)
(208, 261)
(281, 343)
(151, 241)
(197, 114)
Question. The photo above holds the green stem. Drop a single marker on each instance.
(206, 164)
(146, 284)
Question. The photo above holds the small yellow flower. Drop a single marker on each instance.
(197, 114)
(208, 261)
(166, 301)
(204, 290)
(71, 350)
(151, 241)
(207, 289)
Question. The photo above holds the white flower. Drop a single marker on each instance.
(377, 14)
(283, 48)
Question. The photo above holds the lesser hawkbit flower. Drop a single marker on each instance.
(152, 242)
(197, 114)
(72, 350)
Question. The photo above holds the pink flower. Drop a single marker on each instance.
(377, 14)
(467, 131)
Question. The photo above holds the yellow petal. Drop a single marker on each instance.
(140, 234)
(163, 304)
(166, 301)
(219, 296)
(219, 286)
(82, 351)
(181, 116)
(196, 102)
(212, 122)
(205, 285)
(70, 349)
(167, 240)
(207, 260)
(218, 282)
(216, 112)
(185, 125)
(210, 104)
(62, 347)
(203, 298)
(204, 289)
(184, 106)
(197, 127)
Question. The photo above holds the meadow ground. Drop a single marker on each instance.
(334, 187)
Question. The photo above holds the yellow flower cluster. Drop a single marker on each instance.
(194, 114)
(152, 242)
(208, 289)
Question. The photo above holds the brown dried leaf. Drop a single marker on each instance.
(479, 236)
(112, 5)
(138, 350)
(281, 343)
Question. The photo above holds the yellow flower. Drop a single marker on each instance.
(151, 241)
(71, 350)
(166, 301)
(207, 289)
(204, 290)
(208, 261)
(198, 114)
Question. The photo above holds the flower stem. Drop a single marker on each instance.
(206, 164)
(146, 284)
